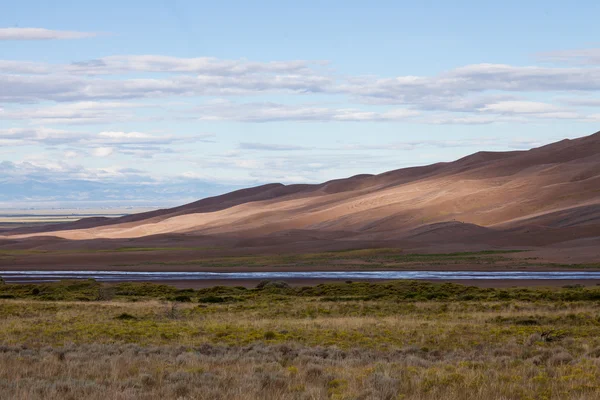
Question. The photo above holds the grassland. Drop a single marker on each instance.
(397, 340)
(364, 258)
(191, 258)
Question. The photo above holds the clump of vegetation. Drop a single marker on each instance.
(125, 316)
(273, 285)
(361, 258)
(217, 299)
(182, 298)
(400, 291)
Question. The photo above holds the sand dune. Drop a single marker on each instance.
(543, 196)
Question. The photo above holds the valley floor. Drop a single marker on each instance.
(397, 340)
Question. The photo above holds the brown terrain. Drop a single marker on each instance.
(545, 200)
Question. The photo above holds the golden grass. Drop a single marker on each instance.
(299, 348)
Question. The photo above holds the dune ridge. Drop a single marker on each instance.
(543, 196)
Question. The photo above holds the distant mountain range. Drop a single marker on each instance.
(16, 193)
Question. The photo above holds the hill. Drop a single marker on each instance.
(540, 197)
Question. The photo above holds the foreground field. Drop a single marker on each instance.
(398, 340)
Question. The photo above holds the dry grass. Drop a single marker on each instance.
(261, 371)
(299, 348)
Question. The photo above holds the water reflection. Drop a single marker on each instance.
(125, 276)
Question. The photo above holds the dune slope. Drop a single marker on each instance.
(546, 195)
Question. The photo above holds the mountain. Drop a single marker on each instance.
(540, 197)
(48, 192)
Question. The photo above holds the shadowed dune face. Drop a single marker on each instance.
(542, 196)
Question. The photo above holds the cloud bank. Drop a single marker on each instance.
(90, 120)
(41, 34)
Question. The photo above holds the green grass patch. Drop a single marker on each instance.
(384, 257)
(399, 291)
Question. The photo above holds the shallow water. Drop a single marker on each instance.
(125, 276)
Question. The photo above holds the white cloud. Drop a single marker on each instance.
(125, 135)
(137, 144)
(530, 107)
(23, 67)
(44, 183)
(41, 135)
(125, 64)
(516, 111)
(583, 101)
(271, 147)
(70, 154)
(398, 145)
(268, 112)
(198, 65)
(102, 151)
(41, 34)
(40, 98)
(64, 88)
(578, 56)
(85, 112)
(461, 89)
(457, 84)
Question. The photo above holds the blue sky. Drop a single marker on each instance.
(161, 102)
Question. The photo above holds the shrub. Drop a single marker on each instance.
(262, 284)
(561, 358)
(273, 285)
(270, 335)
(125, 316)
(314, 372)
(106, 293)
(147, 380)
(213, 299)
(575, 286)
(594, 353)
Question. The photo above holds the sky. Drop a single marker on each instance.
(157, 102)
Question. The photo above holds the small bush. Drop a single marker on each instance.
(270, 335)
(147, 380)
(181, 390)
(182, 299)
(218, 299)
(262, 284)
(212, 299)
(273, 285)
(125, 316)
(560, 359)
(594, 353)
(106, 293)
(575, 286)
